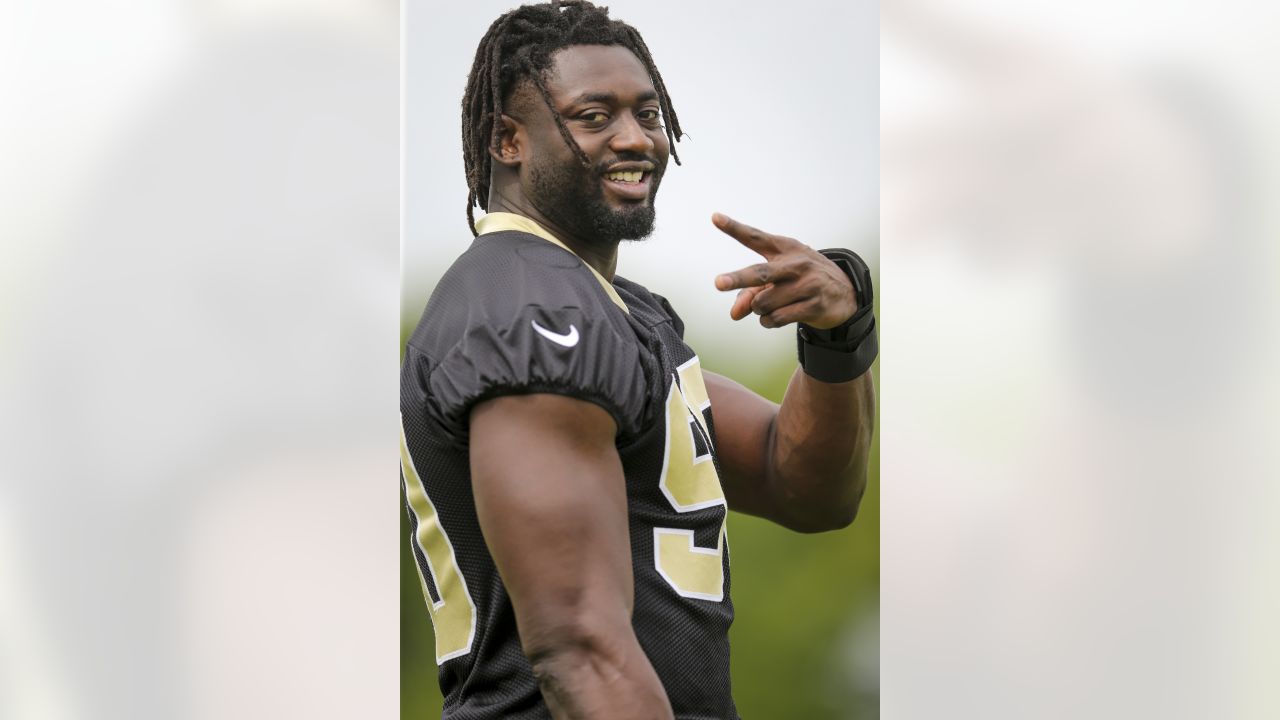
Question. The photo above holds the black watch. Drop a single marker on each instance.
(846, 351)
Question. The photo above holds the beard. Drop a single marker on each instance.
(573, 197)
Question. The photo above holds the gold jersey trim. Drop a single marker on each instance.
(500, 221)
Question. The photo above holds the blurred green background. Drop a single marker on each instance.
(805, 638)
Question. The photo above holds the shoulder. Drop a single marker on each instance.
(650, 307)
(503, 276)
(516, 314)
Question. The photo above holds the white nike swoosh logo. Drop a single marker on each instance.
(568, 339)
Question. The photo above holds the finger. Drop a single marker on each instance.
(758, 240)
(778, 296)
(754, 276)
(742, 304)
(795, 312)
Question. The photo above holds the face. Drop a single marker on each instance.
(611, 109)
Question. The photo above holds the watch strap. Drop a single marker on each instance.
(844, 352)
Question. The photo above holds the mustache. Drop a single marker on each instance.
(622, 157)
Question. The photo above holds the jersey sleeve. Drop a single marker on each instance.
(549, 330)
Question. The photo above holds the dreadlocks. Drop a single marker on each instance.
(519, 45)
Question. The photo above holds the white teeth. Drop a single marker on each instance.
(626, 175)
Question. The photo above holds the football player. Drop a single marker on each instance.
(567, 464)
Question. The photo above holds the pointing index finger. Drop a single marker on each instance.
(754, 238)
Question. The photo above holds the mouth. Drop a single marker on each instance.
(629, 181)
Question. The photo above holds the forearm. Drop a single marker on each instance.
(585, 677)
(804, 464)
(820, 442)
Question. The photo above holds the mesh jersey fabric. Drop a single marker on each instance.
(477, 339)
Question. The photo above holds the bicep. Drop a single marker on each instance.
(744, 425)
(551, 499)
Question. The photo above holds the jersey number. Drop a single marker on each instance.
(690, 482)
(453, 614)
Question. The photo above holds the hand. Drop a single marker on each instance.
(796, 284)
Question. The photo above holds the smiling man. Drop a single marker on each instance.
(566, 479)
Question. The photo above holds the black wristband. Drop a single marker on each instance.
(844, 352)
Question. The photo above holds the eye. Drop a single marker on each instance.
(594, 116)
(649, 115)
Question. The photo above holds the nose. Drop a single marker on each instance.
(630, 136)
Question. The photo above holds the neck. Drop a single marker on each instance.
(604, 259)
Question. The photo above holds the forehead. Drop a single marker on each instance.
(595, 69)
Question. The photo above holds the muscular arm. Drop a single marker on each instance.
(552, 504)
(802, 464)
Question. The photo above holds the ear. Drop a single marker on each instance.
(511, 142)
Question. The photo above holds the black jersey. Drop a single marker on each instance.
(517, 314)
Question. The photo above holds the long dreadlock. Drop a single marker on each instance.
(519, 45)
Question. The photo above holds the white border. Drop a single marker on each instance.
(718, 551)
